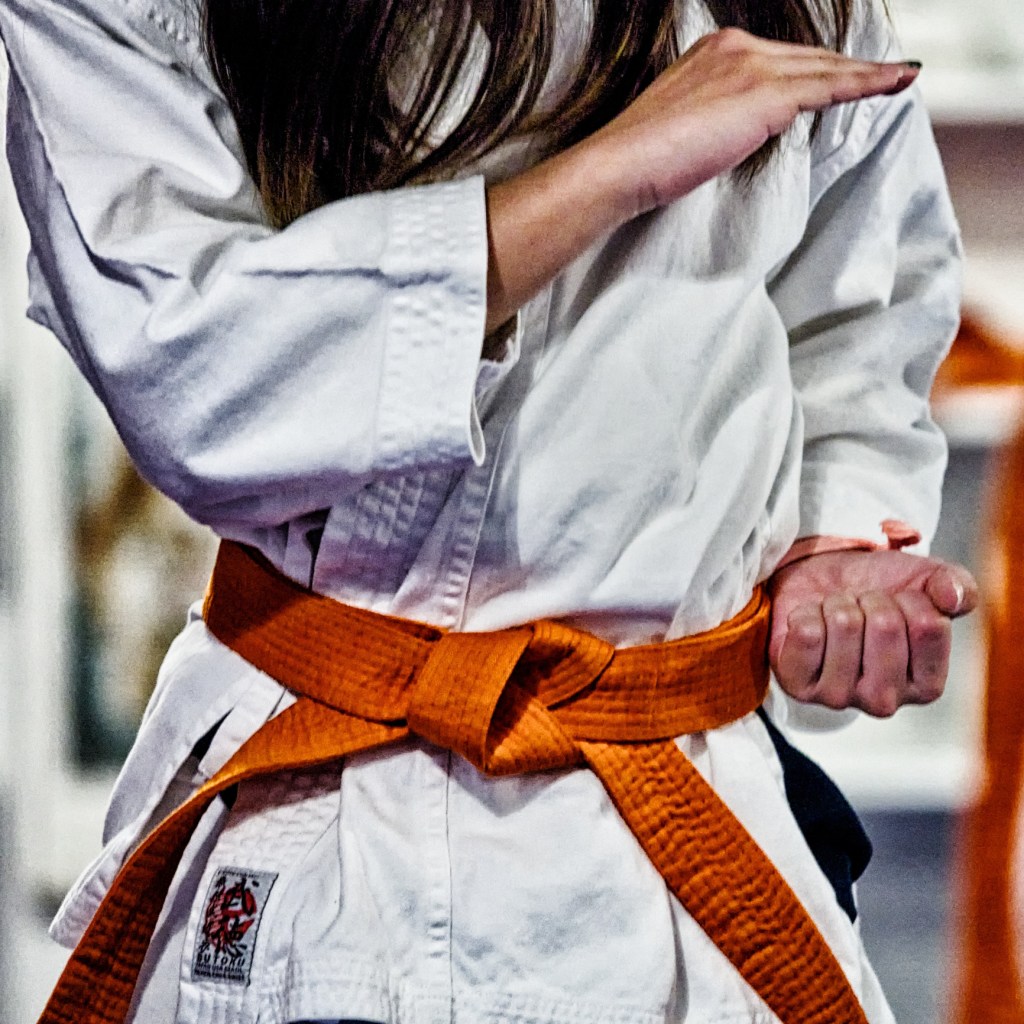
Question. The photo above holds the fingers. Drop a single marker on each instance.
(820, 84)
(719, 103)
(885, 683)
(738, 40)
(848, 84)
(930, 636)
(798, 664)
(783, 88)
(876, 652)
(793, 53)
(820, 77)
(844, 632)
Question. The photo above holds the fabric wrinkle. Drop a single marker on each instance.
(660, 424)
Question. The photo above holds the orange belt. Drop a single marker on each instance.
(542, 696)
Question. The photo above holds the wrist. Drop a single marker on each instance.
(604, 172)
(541, 220)
(899, 535)
(805, 547)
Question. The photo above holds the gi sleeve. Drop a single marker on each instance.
(871, 302)
(254, 375)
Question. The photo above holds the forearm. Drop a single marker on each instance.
(542, 219)
(707, 113)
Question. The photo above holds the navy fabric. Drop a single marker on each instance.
(829, 824)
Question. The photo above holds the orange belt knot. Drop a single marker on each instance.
(532, 698)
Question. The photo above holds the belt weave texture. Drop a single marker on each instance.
(543, 696)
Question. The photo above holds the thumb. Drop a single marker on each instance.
(952, 589)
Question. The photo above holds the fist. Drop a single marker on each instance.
(866, 629)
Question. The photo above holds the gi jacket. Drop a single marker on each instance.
(712, 380)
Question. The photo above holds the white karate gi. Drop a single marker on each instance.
(704, 385)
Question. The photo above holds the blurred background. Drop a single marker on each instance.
(96, 571)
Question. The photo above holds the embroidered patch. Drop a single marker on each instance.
(231, 919)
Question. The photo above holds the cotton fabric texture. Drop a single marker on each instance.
(706, 384)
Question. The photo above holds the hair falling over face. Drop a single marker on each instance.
(338, 97)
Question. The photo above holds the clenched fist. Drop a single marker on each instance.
(866, 629)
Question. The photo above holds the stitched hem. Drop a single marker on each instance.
(318, 991)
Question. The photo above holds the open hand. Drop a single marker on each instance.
(701, 117)
(866, 629)
(721, 100)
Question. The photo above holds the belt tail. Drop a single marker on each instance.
(99, 980)
(725, 881)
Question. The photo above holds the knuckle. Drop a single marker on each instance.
(886, 707)
(930, 690)
(798, 689)
(847, 621)
(831, 697)
(929, 680)
(807, 635)
(883, 704)
(731, 38)
(888, 625)
(930, 628)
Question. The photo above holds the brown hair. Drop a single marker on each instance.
(312, 82)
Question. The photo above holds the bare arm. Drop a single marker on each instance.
(714, 107)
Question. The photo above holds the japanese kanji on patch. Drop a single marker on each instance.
(231, 920)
